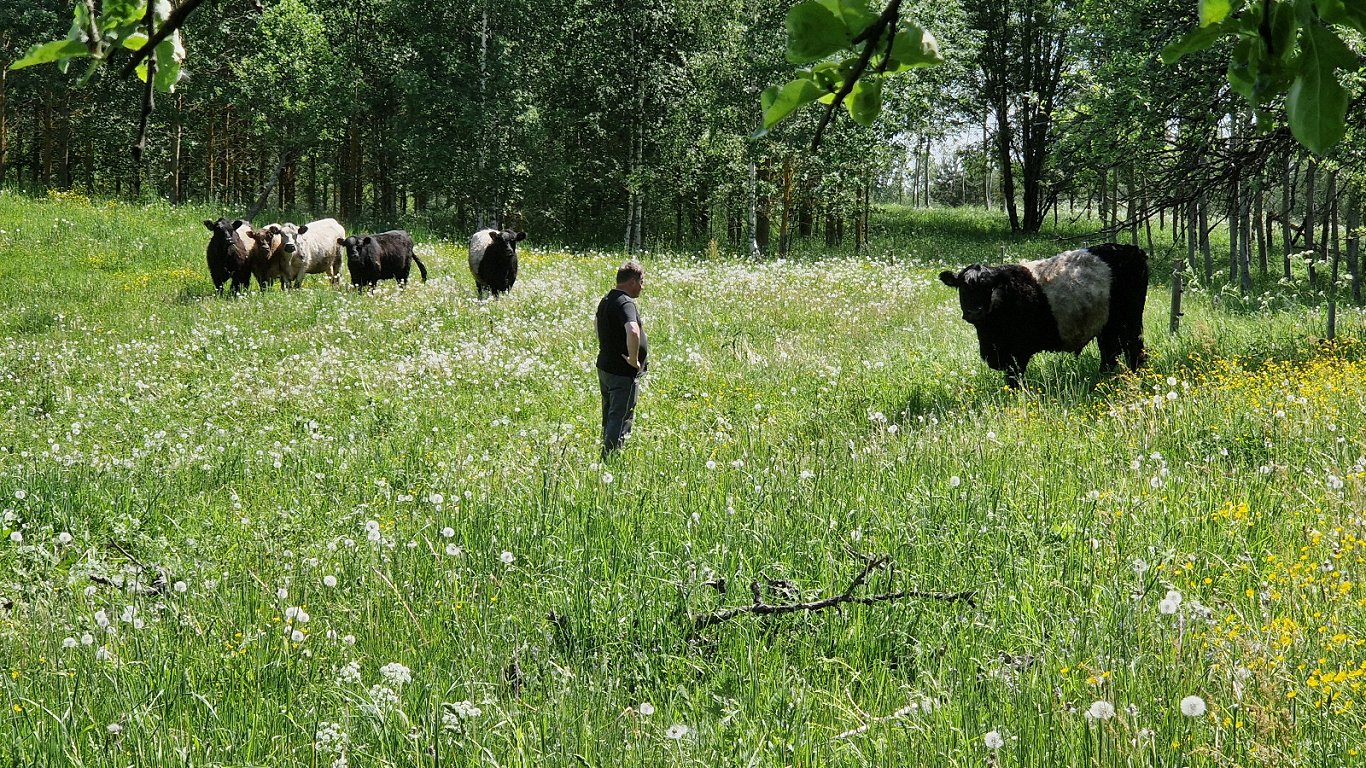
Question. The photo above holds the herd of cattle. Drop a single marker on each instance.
(237, 251)
(1057, 304)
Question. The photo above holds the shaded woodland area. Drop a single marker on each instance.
(600, 124)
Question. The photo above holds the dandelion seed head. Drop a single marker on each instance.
(1101, 710)
(1193, 706)
(993, 740)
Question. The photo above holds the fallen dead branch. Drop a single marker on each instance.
(761, 608)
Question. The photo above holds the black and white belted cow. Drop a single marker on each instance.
(1057, 304)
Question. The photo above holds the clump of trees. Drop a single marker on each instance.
(595, 123)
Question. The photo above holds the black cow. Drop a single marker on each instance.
(385, 256)
(228, 252)
(1057, 304)
(493, 260)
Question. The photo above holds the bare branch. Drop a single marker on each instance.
(760, 608)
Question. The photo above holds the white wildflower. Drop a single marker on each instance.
(993, 740)
(1101, 710)
(396, 673)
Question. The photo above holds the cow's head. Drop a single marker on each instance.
(356, 247)
(979, 290)
(509, 238)
(289, 236)
(264, 241)
(223, 229)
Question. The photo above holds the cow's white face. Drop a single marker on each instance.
(289, 238)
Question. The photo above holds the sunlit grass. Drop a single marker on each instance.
(292, 528)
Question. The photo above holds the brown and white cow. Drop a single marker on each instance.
(310, 249)
(264, 256)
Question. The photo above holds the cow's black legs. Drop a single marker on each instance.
(1110, 344)
(1015, 368)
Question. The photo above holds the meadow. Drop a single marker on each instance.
(328, 528)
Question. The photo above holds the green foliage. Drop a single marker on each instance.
(874, 46)
(119, 24)
(1285, 48)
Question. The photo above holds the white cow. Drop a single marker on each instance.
(310, 249)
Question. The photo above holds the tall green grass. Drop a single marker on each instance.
(184, 479)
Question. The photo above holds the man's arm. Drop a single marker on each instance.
(633, 344)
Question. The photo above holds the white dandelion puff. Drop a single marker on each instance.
(676, 731)
(508, 558)
(1101, 710)
(1193, 706)
(994, 740)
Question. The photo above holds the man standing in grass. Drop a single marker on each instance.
(622, 352)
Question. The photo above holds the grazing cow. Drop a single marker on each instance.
(385, 256)
(227, 253)
(264, 255)
(493, 260)
(1057, 304)
(310, 249)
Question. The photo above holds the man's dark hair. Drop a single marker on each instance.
(629, 270)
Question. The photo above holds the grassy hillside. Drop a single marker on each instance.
(322, 527)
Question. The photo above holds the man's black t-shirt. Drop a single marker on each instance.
(614, 311)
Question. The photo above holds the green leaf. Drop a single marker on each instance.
(1347, 14)
(1242, 82)
(117, 12)
(170, 57)
(1316, 103)
(813, 33)
(46, 53)
(134, 41)
(1213, 11)
(778, 103)
(853, 14)
(1281, 43)
(865, 101)
(914, 47)
(1197, 39)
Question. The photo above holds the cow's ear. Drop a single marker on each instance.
(367, 240)
(341, 241)
(239, 222)
(209, 223)
(519, 238)
(274, 229)
(303, 229)
(950, 279)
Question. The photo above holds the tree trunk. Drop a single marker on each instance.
(1235, 198)
(4, 128)
(1354, 239)
(752, 219)
(1202, 232)
(1179, 269)
(1309, 244)
(1287, 186)
(1330, 233)
(1258, 217)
